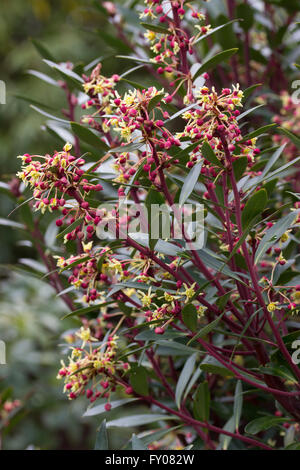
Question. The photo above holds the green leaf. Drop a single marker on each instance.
(210, 155)
(67, 74)
(239, 167)
(31, 101)
(42, 50)
(154, 102)
(113, 41)
(88, 136)
(214, 30)
(258, 132)
(136, 59)
(139, 380)
(207, 329)
(273, 233)
(137, 444)
(254, 206)
(127, 147)
(202, 402)
(173, 348)
(225, 440)
(273, 160)
(217, 59)
(189, 316)
(44, 113)
(136, 85)
(70, 227)
(250, 89)
(246, 12)
(85, 310)
(150, 335)
(213, 366)
(218, 264)
(184, 378)
(101, 439)
(11, 223)
(155, 28)
(290, 135)
(190, 183)
(251, 110)
(263, 423)
(99, 409)
(279, 371)
(238, 404)
(138, 420)
(156, 436)
(181, 111)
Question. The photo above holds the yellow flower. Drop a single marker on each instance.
(168, 297)
(272, 307)
(201, 311)
(146, 298)
(284, 237)
(97, 364)
(189, 291)
(150, 36)
(60, 261)
(87, 246)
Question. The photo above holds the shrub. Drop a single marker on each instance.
(201, 330)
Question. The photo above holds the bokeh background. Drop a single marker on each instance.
(30, 313)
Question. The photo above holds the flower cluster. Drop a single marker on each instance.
(136, 120)
(92, 370)
(168, 44)
(55, 177)
(168, 307)
(101, 90)
(214, 117)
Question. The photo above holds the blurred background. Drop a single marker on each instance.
(30, 313)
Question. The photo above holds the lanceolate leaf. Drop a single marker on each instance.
(290, 135)
(88, 136)
(207, 329)
(70, 227)
(214, 30)
(238, 404)
(155, 28)
(138, 380)
(138, 420)
(189, 316)
(217, 59)
(258, 132)
(101, 439)
(273, 233)
(210, 155)
(190, 183)
(137, 444)
(202, 402)
(254, 206)
(99, 409)
(184, 378)
(263, 423)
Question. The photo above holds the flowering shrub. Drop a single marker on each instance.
(204, 337)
